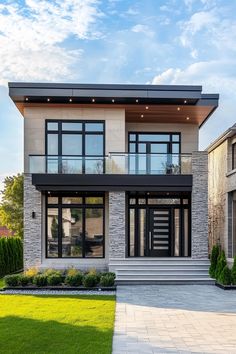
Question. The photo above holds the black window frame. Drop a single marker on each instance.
(82, 132)
(60, 206)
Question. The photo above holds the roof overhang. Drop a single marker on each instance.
(166, 103)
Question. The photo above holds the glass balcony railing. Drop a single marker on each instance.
(114, 163)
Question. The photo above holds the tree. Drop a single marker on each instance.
(11, 206)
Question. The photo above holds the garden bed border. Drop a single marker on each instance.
(225, 287)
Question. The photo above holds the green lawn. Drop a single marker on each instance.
(56, 324)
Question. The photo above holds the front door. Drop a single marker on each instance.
(159, 236)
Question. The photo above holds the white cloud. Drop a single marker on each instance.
(215, 77)
(143, 29)
(32, 37)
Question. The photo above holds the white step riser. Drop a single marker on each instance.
(164, 278)
(166, 282)
(161, 268)
(147, 273)
(161, 264)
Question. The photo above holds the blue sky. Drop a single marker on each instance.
(116, 41)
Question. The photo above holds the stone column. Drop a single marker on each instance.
(200, 205)
(117, 218)
(32, 227)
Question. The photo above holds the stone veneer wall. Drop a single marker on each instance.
(117, 224)
(32, 227)
(200, 205)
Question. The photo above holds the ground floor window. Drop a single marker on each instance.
(159, 224)
(75, 225)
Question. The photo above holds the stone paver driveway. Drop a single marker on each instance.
(175, 319)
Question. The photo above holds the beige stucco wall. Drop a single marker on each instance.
(217, 186)
(189, 133)
(34, 127)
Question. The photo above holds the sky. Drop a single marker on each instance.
(116, 41)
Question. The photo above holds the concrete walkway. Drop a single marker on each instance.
(175, 319)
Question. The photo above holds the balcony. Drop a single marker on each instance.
(113, 164)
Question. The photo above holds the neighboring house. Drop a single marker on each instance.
(4, 232)
(222, 192)
(114, 179)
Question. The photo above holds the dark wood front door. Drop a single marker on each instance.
(159, 237)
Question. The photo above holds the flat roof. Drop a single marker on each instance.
(130, 97)
(224, 136)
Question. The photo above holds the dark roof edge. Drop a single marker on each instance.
(104, 86)
(224, 136)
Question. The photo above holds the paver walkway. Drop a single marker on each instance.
(175, 319)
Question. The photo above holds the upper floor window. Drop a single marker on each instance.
(75, 146)
(154, 153)
(234, 156)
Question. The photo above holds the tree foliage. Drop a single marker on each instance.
(214, 256)
(11, 255)
(11, 207)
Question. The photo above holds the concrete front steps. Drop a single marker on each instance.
(160, 271)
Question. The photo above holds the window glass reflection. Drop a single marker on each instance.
(131, 231)
(71, 144)
(72, 232)
(94, 127)
(52, 142)
(52, 232)
(93, 144)
(52, 126)
(72, 200)
(72, 126)
(94, 232)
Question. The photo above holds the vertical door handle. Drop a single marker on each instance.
(150, 238)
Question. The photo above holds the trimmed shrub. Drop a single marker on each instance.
(40, 280)
(225, 276)
(11, 255)
(71, 271)
(12, 280)
(54, 279)
(110, 273)
(74, 279)
(94, 272)
(214, 256)
(31, 272)
(24, 280)
(90, 280)
(233, 272)
(107, 280)
(221, 263)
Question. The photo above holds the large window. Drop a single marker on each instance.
(75, 146)
(154, 153)
(75, 226)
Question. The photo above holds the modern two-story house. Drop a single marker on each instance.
(114, 179)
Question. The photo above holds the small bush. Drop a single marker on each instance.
(54, 279)
(233, 272)
(90, 280)
(107, 280)
(214, 256)
(110, 273)
(225, 276)
(74, 279)
(24, 280)
(12, 280)
(94, 272)
(31, 272)
(11, 255)
(221, 263)
(71, 271)
(40, 280)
